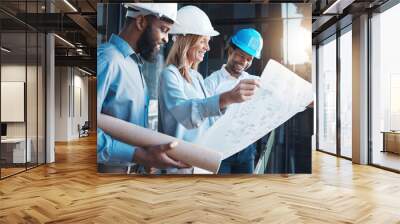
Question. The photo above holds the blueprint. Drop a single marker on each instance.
(282, 94)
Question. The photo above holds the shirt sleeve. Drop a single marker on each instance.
(211, 83)
(187, 111)
(109, 150)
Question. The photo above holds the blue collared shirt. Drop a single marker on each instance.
(185, 109)
(121, 93)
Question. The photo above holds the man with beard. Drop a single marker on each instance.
(121, 88)
(243, 47)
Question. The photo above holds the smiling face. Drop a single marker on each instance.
(238, 61)
(153, 37)
(197, 51)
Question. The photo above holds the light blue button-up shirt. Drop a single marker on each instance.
(121, 93)
(185, 109)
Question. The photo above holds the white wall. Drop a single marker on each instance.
(13, 73)
(33, 126)
(70, 83)
(79, 117)
(61, 103)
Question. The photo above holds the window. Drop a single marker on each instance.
(327, 96)
(346, 93)
(385, 89)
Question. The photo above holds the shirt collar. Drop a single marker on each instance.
(228, 75)
(137, 59)
(122, 46)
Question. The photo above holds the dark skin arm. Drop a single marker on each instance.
(157, 157)
(243, 91)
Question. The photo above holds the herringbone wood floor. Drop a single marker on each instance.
(70, 191)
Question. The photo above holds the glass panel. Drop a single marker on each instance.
(31, 98)
(296, 29)
(327, 96)
(13, 87)
(386, 89)
(32, 86)
(394, 102)
(41, 99)
(346, 94)
(22, 62)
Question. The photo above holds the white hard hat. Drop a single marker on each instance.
(168, 10)
(192, 20)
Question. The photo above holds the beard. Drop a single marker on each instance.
(147, 46)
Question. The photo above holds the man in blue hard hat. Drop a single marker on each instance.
(243, 47)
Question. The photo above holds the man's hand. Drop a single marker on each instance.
(243, 91)
(156, 156)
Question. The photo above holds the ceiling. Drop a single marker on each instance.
(72, 20)
(331, 15)
(76, 22)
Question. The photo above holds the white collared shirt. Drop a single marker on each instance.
(221, 81)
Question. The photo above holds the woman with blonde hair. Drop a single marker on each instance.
(185, 106)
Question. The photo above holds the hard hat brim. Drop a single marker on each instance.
(192, 20)
(210, 34)
(148, 11)
(247, 50)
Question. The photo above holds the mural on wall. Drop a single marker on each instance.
(182, 75)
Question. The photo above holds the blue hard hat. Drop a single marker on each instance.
(249, 41)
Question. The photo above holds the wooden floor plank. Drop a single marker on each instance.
(71, 191)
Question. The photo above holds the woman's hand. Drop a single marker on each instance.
(243, 91)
